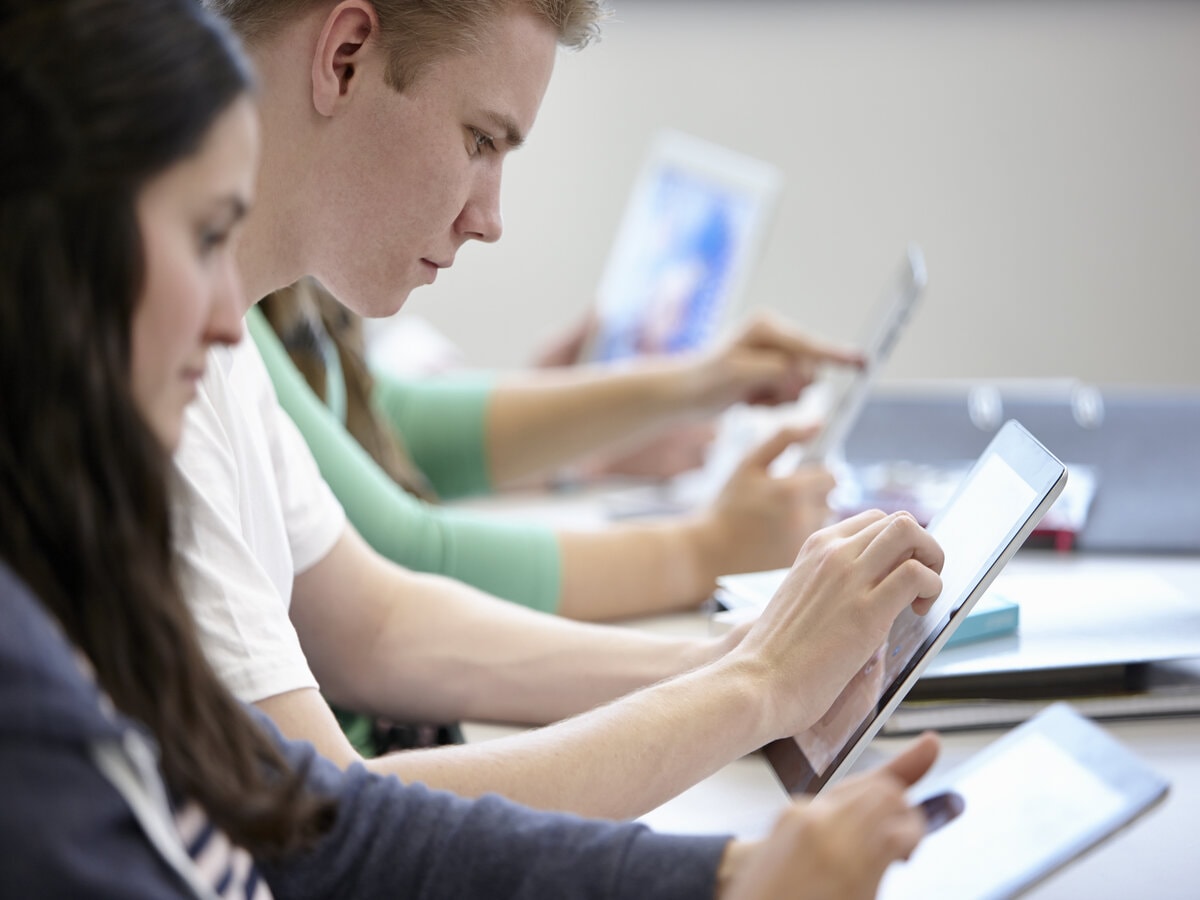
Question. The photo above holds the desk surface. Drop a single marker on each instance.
(1156, 857)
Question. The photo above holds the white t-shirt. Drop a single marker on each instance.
(252, 512)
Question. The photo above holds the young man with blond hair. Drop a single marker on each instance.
(379, 162)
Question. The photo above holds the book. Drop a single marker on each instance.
(993, 616)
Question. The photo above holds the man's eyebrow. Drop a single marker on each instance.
(506, 128)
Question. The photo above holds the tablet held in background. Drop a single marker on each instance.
(691, 232)
(849, 387)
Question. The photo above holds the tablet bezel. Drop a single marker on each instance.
(1047, 476)
(1093, 750)
(755, 180)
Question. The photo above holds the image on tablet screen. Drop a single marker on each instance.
(691, 230)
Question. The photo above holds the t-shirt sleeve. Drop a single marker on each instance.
(311, 512)
(251, 511)
(396, 840)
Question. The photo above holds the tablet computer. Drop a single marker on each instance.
(1034, 800)
(691, 231)
(995, 507)
(849, 387)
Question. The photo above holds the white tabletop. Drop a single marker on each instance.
(1155, 857)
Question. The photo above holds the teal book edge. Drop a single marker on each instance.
(993, 616)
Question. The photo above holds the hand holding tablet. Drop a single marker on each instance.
(883, 329)
(1037, 798)
(996, 506)
(841, 843)
(836, 605)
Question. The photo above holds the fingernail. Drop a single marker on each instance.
(941, 808)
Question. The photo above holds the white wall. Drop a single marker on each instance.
(1046, 155)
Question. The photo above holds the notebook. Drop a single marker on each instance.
(994, 616)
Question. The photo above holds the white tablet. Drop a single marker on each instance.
(849, 387)
(692, 229)
(998, 503)
(1041, 796)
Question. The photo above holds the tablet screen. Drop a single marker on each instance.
(995, 507)
(1034, 799)
(690, 232)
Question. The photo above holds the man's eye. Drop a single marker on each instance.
(482, 141)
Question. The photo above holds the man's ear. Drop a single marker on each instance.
(345, 38)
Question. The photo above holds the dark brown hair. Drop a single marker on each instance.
(96, 98)
(312, 325)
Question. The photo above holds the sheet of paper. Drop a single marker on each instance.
(1083, 616)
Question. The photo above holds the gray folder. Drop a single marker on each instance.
(1143, 445)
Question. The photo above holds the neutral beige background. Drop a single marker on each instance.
(1045, 154)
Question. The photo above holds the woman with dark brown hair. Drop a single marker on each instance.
(125, 767)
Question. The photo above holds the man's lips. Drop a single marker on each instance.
(432, 267)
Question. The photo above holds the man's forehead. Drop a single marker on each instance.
(500, 83)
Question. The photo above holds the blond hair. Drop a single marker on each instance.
(418, 32)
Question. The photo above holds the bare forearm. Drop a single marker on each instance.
(545, 420)
(636, 569)
(459, 654)
(617, 761)
(538, 423)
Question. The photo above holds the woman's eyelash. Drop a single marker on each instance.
(212, 238)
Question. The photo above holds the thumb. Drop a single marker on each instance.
(766, 452)
(915, 760)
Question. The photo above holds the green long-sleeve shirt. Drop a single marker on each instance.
(442, 422)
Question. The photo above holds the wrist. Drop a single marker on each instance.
(732, 862)
(684, 385)
(707, 550)
(706, 651)
(745, 682)
(689, 387)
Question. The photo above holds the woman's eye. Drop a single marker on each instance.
(210, 240)
(216, 232)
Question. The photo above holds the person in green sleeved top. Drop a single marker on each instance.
(390, 457)
(517, 561)
(415, 441)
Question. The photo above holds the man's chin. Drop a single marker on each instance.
(377, 307)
